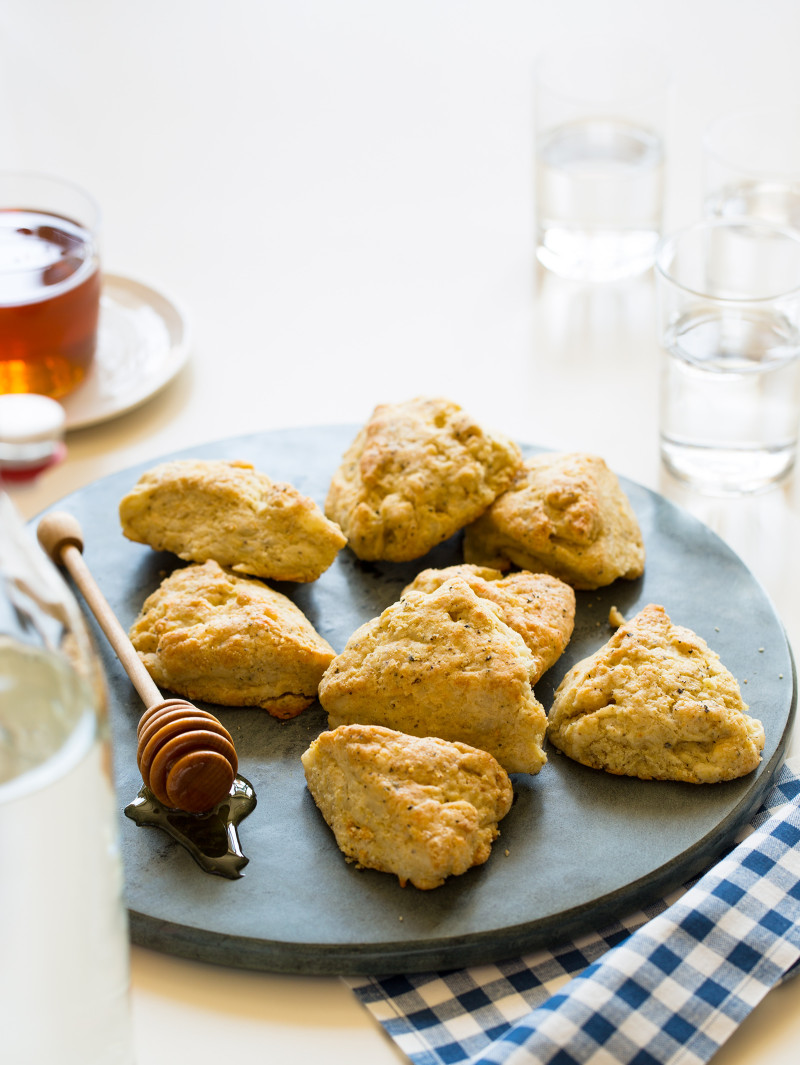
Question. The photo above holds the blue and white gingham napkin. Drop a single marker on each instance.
(666, 985)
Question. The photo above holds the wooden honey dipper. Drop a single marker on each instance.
(184, 754)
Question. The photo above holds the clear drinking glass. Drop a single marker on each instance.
(752, 162)
(600, 126)
(728, 297)
(63, 928)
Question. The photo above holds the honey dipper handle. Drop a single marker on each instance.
(61, 537)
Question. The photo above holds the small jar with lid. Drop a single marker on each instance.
(31, 435)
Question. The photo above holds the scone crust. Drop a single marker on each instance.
(419, 807)
(564, 514)
(540, 607)
(206, 633)
(656, 702)
(442, 664)
(415, 474)
(233, 514)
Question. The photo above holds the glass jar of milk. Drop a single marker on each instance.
(63, 927)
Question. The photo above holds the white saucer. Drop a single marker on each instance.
(143, 341)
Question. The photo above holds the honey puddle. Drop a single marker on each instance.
(211, 838)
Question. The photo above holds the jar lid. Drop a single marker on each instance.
(31, 434)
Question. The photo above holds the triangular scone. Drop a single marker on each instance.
(442, 664)
(421, 808)
(232, 513)
(541, 608)
(565, 514)
(208, 634)
(656, 702)
(415, 474)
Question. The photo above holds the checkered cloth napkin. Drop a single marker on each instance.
(666, 985)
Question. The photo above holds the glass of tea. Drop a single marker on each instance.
(49, 284)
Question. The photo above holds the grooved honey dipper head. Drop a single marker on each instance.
(185, 756)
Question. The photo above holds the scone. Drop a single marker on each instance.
(564, 514)
(421, 808)
(539, 607)
(656, 702)
(442, 664)
(415, 474)
(232, 513)
(208, 634)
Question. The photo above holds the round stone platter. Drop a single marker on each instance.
(579, 847)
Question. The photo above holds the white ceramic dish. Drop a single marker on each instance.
(143, 342)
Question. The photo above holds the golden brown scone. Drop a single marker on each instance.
(564, 514)
(421, 808)
(656, 702)
(442, 664)
(208, 634)
(541, 608)
(230, 512)
(414, 475)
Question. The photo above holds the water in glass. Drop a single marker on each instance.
(729, 400)
(599, 199)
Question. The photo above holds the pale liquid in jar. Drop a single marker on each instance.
(63, 928)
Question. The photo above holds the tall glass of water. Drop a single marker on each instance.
(729, 323)
(601, 113)
(752, 164)
(63, 928)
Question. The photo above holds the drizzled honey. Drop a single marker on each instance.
(212, 837)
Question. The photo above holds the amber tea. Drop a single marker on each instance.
(49, 302)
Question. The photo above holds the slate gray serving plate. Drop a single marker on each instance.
(578, 848)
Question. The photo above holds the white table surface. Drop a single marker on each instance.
(340, 194)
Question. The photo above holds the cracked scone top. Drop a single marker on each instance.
(233, 514)
(442, 664)
(415, 474)
(419, 807)
(208, 634)
(565, 513)
(541, 608)
(656, 702)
